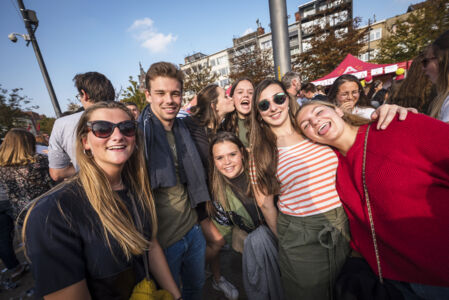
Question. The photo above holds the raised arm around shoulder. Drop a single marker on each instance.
(266, 204)
(75, 291)
(385, 113)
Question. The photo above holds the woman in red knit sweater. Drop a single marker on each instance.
(407, 177)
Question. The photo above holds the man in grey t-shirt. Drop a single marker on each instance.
(92, 87)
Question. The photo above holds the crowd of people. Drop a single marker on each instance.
(331, 194)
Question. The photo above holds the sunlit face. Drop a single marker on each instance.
(165, 98)
(134, 110)
(243, 95)
(277, 114)
(348, 92)
(430, 65)
(112, 152)
(228, 159)
(224, 104)
(321, 123)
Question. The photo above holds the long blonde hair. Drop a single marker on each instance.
(440, 49)
(114, 216)
(351, 119)
(18, 148)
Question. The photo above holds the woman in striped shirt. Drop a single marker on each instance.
(311, 225)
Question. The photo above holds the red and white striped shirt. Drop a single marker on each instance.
(306, 172)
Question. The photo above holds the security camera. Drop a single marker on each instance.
(12, 37)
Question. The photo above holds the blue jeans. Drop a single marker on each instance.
(186, 260)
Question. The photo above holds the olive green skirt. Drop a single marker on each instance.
(312, 251)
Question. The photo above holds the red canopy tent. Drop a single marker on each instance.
(360, 69)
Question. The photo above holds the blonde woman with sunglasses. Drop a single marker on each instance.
(87, 238)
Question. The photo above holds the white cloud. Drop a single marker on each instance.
(249, 30)
(145, 32)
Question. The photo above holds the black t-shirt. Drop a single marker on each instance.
(66, 244)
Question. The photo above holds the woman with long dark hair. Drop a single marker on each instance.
(347, 92)
(436, 67)
(236, 215)
(93, 236)
(394, 185)
(242, 91)
(205, 120)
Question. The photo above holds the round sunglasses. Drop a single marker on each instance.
(104, 129)
(279, 99)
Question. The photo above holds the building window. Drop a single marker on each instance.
(221, 60)
(212, 62)
(375, 34)
(309, 12)
(266, 45)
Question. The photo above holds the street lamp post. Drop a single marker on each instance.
(279, 30)
(30, 19)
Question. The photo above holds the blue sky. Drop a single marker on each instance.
(112, 37)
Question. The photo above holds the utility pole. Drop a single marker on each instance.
(279, 32)
(369, 38)
(30, 19)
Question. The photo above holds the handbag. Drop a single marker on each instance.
(357, 281)
(146, 289)
(240, 231)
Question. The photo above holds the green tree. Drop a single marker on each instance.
(408, 37)
(253, 63)
(327, 48)
(133, 94)
(12, 105)
(198, 77)
(46, 124)
(73, 106)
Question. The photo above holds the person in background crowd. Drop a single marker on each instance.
(436, 67)
(87, 238)
(23, 176)
(234, 207)
(41, 144)
(320, 90)
(205, 120)
(407, 194)
(22, 170)
(177, 177)
(416, 90)
(134, 109)
(292, 82)
(374, 88)
(7, 253)
(242, 93)
(92, 87)
(347, 93)
(308, 90)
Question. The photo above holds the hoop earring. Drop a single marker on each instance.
(88, 153)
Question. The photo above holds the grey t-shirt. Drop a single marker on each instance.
(61, 148)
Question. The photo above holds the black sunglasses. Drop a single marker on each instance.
(104, 129)
(279, 99)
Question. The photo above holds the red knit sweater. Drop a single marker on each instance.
(407, 175)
